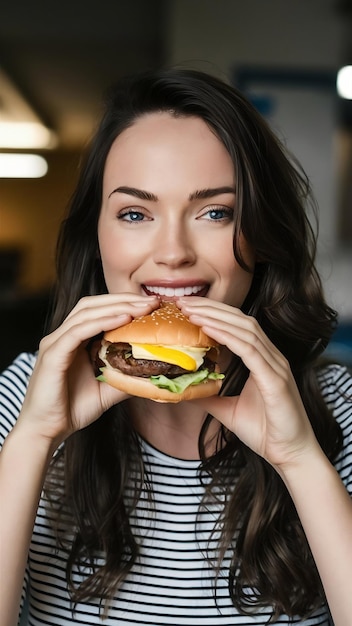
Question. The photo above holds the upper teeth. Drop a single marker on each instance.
(178, 291)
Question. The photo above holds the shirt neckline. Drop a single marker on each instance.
(150, 450)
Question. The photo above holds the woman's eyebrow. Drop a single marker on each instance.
(200, 194)
(203, 194)
(137, 193)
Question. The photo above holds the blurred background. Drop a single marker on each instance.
(56, 61)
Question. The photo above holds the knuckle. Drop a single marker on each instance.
(84, 301)
(252, 323)
(44, 343)
(81, 304)
(252, 347)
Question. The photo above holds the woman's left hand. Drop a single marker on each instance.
(268, 415)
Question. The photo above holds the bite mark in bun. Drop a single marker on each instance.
(162, 357)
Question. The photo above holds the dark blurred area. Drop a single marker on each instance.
(22, 320)
(23, 317)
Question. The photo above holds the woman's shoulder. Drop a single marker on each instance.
(19, 371)
(13, 386)
(336, 386)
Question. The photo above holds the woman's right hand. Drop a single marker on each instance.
(63, 393)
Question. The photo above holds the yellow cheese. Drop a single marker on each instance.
(188, 358)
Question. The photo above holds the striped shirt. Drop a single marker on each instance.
(172, 581)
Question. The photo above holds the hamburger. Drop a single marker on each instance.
(161, 356)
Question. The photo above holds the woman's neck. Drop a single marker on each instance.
(172, 428)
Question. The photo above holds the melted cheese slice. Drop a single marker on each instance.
(188, 358)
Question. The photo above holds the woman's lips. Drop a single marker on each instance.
(169, 291)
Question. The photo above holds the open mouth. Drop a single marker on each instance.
(176, 292)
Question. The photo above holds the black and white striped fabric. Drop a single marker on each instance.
(172, 584)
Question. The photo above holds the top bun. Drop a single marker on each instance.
(164, 326)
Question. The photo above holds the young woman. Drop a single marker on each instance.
(232, 509)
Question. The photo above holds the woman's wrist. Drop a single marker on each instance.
(31, 439)
(306, 463)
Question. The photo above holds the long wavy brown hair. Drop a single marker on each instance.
(258, 521)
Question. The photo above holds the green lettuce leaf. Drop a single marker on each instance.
(180, 383)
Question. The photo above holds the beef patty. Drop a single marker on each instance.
(119, 356)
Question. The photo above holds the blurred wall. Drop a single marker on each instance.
(222, 33)
(30, 213)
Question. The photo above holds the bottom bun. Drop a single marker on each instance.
(143, 388)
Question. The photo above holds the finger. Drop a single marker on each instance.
(99, 316)
(220, 407)
(120, 302)
(269, 367)
(105, 298)
(214, 313)
(87, 379)
(72, 334)
(218, 317)
(244, 338)
(58, 351)
(111, 396)
(204, 306)
(79, 332)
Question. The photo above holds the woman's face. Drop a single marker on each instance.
(166, 222)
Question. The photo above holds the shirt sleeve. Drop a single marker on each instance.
(13, 386)
(336, 384)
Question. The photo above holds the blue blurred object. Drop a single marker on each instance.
(340, 346)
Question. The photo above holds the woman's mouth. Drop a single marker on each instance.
(176, 292)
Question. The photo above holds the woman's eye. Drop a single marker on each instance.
(132, 215)
(219, 213)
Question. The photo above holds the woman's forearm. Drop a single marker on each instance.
(325, 509)
(23, 464)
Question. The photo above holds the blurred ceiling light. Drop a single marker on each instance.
(344, 82)
(24, 135)
(20, 126)
(22, 166)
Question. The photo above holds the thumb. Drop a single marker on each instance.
(220, 407)
(111, 396)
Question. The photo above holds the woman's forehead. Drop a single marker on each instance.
(159, 142)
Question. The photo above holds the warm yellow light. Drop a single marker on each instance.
(22, 166)
(344, 82)
(24, 135)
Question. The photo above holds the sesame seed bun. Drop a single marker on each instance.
(164, 326)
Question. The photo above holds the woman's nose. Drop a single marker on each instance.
(174, 247)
